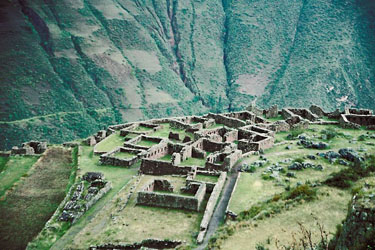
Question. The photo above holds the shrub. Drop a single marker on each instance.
(304, 192)
(295, 133)
(299, 160)
(330, 133)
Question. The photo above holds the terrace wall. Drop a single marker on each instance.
(212, 201)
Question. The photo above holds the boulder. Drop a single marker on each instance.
(350, 155)
(91, 176)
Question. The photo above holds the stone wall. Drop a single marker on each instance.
(304, 113)
(279, 126)
(110, 158)
(354, 111)
(258, 130)
(227, 121)
(335, 114)
(30, 148)
(345, 123)
(145, 244)
(259, 142)
(242, 115)
(211, 206)
(254, 109)
(359, 227)
(156, 167)
(22, 151)
(347, 120)
(271, 112)
(211, 146)
(4, 153)
(318, 111)
(169, 200)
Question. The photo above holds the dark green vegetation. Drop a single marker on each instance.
(68, 69)
(346, 177)
(28, 206)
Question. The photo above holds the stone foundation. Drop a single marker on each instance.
(149, 197)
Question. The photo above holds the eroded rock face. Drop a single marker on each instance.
(358, 231)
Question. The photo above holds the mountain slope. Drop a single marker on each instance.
(69, 68)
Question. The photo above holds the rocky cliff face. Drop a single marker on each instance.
(69, 68)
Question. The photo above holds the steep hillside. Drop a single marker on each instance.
(69, 68)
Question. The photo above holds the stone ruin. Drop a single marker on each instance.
(30, 148)
(219, 140)
(159, 193)
(110, 158)
(84, 195)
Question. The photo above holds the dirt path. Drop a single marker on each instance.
(219, 213)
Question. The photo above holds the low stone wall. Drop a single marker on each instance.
(155, 167)
(231, 159)
(229, 213)
(211, 146)
(318, 111)
(254, 109)
(355, 111)
(227, 121)
(90, 141)
(4, 153)
(169, 200)
(148, 244)
(29, 148)
(261, 143)
(278, 126)
(304, 113)
(22, 151)
(98, 196)
(242, 115)
(345, 123)
(335, 114)
(256, 129)
(212, 201)
(121, 126)
(110, 159)
(271, 112)
(361, 120)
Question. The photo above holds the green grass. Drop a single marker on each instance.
(166, 158)
(166, 128)
(136, 223)
(111, 142)
(131, 136)
(58, 235)
(250, 190)
(147, 143)
(215, 125)
(35, 198)
(274, 119)
(206, 178)
(90, 163)
(124, 155)
(143, 129)
(3, 162)
(193, 162)
(14, 169)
